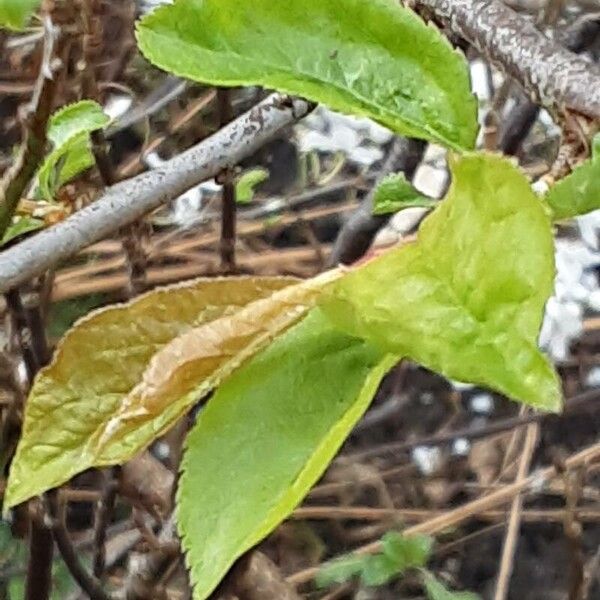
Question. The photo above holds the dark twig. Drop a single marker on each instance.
(90, 585)
(103, 514)
(19, 327)
(573, 482)
(228, 206)
(577, 38)
(142, 577)
(555, 77)
(456, 516)
(31, 338)
(38, 584)
(135, 256)
(17, 178)
(358, 232)
(576, 403)
(592, 571)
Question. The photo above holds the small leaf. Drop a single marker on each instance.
(437, 591)
(265, 437)
(97, 364)
(244, 188)
(15, 14)
(22, 225)
(467, 298)
(378, 570)
(376, 59)
(577, 193)
(398, 554)
(73, 119)
(340, 570)
(396, 193)
(69, 131)
(407, 551)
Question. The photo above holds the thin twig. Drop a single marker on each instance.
(38, 584)
(419, 515)
(228, 199)
(455, 517)
(18, 177)
(89, 584)
(131, 242)
(514, 521)
(144, 572)
(574, 404)
(103, 514)
(592, 571)
(126, 202)
(573, 483)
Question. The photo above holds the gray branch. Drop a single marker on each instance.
(556, 78)
(126, 202)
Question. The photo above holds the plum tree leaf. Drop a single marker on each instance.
(396, 193)
(195, 362)
(467, 298)
(265, 437)
(69, 132)
(579, 192)
(376, 59)
(14, 14)
(96, 366)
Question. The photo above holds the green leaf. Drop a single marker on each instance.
(265, 437)
(22, 225)
(340, 570)
(73, 119)
(376, 59)
(398, 554)
(15, 14)
(69, 132)
(95, 368)
(244, 188)
(579, 192)
(396, 193)
(467, 298)
(407, 551)
(437, 591)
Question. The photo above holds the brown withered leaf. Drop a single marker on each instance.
(194, 363)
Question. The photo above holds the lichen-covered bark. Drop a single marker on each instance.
(126, 202)
(555, 77)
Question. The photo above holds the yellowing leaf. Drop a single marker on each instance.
(96, 366)
(467, 298)
(265, 437)
(198, 360)
(373, 58)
